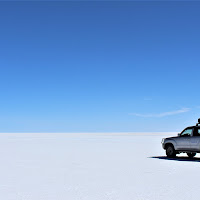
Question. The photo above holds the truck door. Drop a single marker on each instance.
(195, 139)
(183, 142)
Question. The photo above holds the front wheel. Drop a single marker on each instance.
(191, 155)
(170, 151)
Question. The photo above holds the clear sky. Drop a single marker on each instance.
(99, 66)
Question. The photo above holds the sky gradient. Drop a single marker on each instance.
(99, 66)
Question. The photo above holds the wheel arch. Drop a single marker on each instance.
(169, 143)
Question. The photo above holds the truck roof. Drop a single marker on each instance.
(193, 126)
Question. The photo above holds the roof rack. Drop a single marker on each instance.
(197, 124)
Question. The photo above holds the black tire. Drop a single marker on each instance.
(170, 151)
(191, 155)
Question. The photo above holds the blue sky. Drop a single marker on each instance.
(99, 66)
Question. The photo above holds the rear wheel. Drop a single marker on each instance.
(170, 151)
(191, 155)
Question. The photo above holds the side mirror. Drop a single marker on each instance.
(179, 134)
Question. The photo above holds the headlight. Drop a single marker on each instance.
(163, 140)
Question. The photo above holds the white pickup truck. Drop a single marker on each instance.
(188, 141)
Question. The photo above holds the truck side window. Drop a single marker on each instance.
(187, 132)
(198, 132)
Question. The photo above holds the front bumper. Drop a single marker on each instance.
(163, 143)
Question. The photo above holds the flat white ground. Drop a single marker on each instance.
(93, 166)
